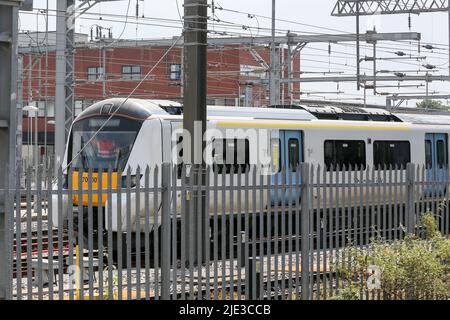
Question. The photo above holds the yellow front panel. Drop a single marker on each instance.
(85, 187)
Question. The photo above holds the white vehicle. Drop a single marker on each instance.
(141, 133)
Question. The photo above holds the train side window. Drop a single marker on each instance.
(428, 156)
(391, 153)
(441, 154)
(294, 151)
(231, 153)
(345, 153)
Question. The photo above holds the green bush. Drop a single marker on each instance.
(412, 268)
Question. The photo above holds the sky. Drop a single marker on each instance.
(299, 16)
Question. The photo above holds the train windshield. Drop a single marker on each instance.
(94, 146)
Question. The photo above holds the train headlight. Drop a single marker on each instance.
(132, 182)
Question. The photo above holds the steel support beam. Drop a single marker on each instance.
(301, 39)
(348, 8)
(64, 98)
(19, 117)
(364, 78)
(9, 13)
(392, 36)
(418, 97)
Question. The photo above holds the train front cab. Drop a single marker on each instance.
(98, 146)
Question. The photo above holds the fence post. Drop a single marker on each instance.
(305, 236)
(6, 238)
(255, 271)
(410, 212)
(242, 244)
(165, 232)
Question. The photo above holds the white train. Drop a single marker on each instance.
(144, 133)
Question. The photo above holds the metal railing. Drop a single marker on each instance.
(154, 234)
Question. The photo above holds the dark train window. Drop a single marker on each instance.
(428, 155)
(391, 153)
(294, 151)
(231, 153)
(441, 154)
(345, 153)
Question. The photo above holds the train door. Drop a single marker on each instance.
(287, 153)
(436, 160)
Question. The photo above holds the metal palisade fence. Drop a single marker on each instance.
(180, 232)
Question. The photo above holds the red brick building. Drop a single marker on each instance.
(114, 69)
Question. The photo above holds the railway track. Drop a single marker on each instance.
(34, 245)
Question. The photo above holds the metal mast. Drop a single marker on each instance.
(9, 12)
(64, 91)
(349, 8)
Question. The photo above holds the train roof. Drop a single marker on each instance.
(260, 113)
(142, 109)
(133, 108)
(350, 113)
(436, 119)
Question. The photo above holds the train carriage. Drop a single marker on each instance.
(349, 143)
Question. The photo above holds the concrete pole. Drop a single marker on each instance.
(289, 71)
(274, 74)
(194, 118)
(358, 68)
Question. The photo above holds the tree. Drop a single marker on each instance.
(431, 104)
(417, 267)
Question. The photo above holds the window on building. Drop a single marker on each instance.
(95, 73)
(391, 153)
(348, 153)
(50, 109)
(230, 102)
(175, 72)
(230, 154)
(131, 72)
(78, 107)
